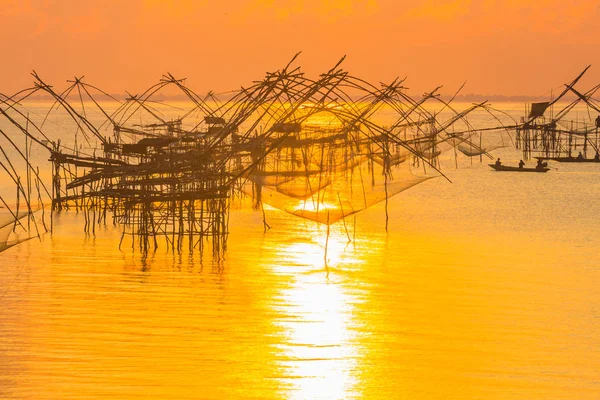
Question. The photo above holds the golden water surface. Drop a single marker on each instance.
(487, 288)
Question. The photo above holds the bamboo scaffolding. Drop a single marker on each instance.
(168, 181)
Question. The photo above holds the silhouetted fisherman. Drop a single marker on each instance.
(579, 157)
(498, 163)
(541, 164)
(597, 156)
(598, 121)
(521, 164)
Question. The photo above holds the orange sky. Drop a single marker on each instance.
(508, 47)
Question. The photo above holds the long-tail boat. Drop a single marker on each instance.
(518, 169)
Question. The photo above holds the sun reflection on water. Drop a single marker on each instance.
(318, 349)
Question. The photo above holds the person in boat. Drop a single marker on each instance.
(579, 157)
(598, 121)
(541, 164)
(521, 164)
(597, 156)
(498, 163)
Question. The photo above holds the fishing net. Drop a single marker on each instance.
(325, 172)
(327, 198)
(8, 226)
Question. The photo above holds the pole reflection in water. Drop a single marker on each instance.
(462, 298)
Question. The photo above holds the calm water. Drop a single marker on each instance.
(487, 288)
